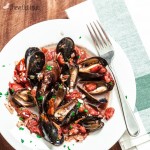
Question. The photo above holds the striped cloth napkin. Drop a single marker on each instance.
(116, 20)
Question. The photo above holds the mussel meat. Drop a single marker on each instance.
(23, 98)
(91, 123)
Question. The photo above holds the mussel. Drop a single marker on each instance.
(95, 87)
(66, 48)
(51, 130)
(34, 62)
(23, 98)
(64, 112)
(89, 68)
(91, 123)
(92, 100)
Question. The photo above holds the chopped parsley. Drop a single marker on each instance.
(22, 141)
(79, 37)
(78, 105)
(6, 94)
(68, 148)
(38, 136)
(126, 97)
(85, 110)
(60, 85)
(40, 98)
(54, 96)
(111, 83)
(0, 93)
(49, 68)
(64, 146)
(70, 127)
(73, 114)
(78, 57)
(30, 141)
(12, 90)
(3, 66)
(20, 118)
(21, 128)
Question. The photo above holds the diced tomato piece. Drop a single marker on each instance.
(51, 107)
(21, 66)
(107, 79)
(91, 110)
(60, 60)
(102, 70)
(81, 109)
(73, 95)
(15, 86)
(82, 129)
(44, 50)
(24, 113)
(109, 113)
(90, 86)
(95, 68)
(80, 53)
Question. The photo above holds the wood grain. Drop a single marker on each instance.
(14, 17)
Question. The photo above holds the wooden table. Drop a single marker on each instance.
(17, 15)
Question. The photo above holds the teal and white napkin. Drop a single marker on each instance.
(116, 20)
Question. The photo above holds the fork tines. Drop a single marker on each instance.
(98, 35)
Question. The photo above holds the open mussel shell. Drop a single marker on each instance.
(65, 47)
(74, 70)
(94, 60)
(92, 100)
(23, 98)
(34, 62)
(100, 86)
(91, 123)
(51, 131)
(63, 113)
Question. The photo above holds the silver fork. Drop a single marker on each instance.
(105, 50)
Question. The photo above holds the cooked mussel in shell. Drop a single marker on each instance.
(51, 130)
(91, 123)
(23, 98)
(65, 47)
(34, 62)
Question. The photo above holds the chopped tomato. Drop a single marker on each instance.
(60, 60)
(91, 110)
(102, 70)
(21, 66)
(81, 109)
(109, 113)
(15, 86)
(107, 79)
(82, 129)
(73, 95)
(44, 50)
(51, 106)
(80, 53)
(24, 113)
(95, 68)
(50, 55)
(90, 86)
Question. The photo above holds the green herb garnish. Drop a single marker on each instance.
(3, 65)
(126, 97)
(6, 94)
(49, 68)
(21, 128)
(40, 98)
(30, 141)
(68, 148)
(22, 141)
(111, 83)
(70, 127)
(38, 136)
(78, 57)
(79, 37)
(12, 90)
(73, 114)
(78, 105)
(64, 146)
(60, 85)
(20, 118)
(54, 96)
(85, 110)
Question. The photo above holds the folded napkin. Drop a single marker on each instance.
(116, 20)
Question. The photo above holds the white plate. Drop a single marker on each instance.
(50, 32)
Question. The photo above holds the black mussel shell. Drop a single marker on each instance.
(51, 131)
(65, 47)
(91, 123)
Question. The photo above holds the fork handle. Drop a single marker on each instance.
(130, 120)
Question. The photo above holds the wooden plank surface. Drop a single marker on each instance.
(17, 15)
